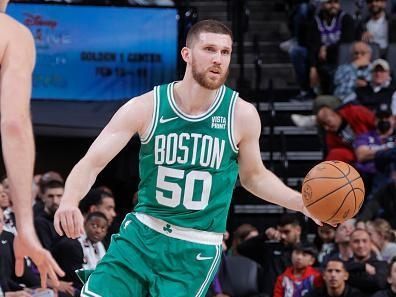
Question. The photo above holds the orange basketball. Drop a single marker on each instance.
(333, 191)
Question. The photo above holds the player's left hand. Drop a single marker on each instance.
(306, 213)
(26, 244)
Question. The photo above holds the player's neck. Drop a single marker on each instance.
(192, 98)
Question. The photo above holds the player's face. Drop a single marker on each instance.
(51, 199)
(335, 275)
(361, 244)
(301, 260)
(210, 59)
(107, 207)
(4, 199)
(96, 229)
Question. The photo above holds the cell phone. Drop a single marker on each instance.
(43, 293)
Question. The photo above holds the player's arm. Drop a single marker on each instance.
(254, 176)
(17, 63)
(128, 120)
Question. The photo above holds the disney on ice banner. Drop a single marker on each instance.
(99, 52)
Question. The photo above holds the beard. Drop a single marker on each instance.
(204, 81)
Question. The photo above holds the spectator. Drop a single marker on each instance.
(370, 145)
(52, 193)
(242, 233)
(102, 201)
(331, 27)
(383, 204)
(341, 126)
(356, 74)
(274, 255)
(299, 278)
(42, 181)
(325, 241)
(6, 206)
(342, 237)
(391, 291)
(297, 46)
(84, 252)
(365, 272)
(382, 237)
(380, 90)
(335, 276)
(376, 27)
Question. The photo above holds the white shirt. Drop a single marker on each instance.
(93, 252)
(379, 30)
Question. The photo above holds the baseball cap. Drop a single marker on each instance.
(380, 63)
(383, 111)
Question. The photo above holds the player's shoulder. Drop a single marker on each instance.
(10, 26)
(245, 110)
(143, 104)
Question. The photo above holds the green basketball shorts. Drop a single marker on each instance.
(150, 257)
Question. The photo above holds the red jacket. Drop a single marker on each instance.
(360, 120)
(288, 285)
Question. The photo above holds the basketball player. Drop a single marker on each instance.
(196, 135)
(17, 58)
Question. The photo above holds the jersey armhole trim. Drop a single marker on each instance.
(231, 113)
(148, 134)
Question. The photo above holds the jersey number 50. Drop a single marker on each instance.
(176, 190)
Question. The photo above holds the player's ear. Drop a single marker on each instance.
(186, 54)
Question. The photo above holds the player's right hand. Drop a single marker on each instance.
(69, 221)
(26, 244)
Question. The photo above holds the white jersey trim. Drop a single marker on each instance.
(231, 113)
(188, 234)
(195, 118)
(148, 134)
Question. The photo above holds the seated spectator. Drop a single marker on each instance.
(325, 241)
(101, 200)
(42, 181)
(391, 291)
(330, 27)
(274, 255)
(366, 272)
(52, 193)
(84, 252)
(380, 90)
(383, 204)
(376, 27)
(382, 237)
(370, 145)
(341, 126)
(242, 233)
(348, 77)
(335, 276)
(342, 250)
(6, 206)
(299, 278)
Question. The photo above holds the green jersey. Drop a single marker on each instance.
(188, 164)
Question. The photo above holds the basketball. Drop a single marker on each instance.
(333, 192)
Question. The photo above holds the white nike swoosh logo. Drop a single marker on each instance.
(201, 258)
(4, 241)
(163, 121)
